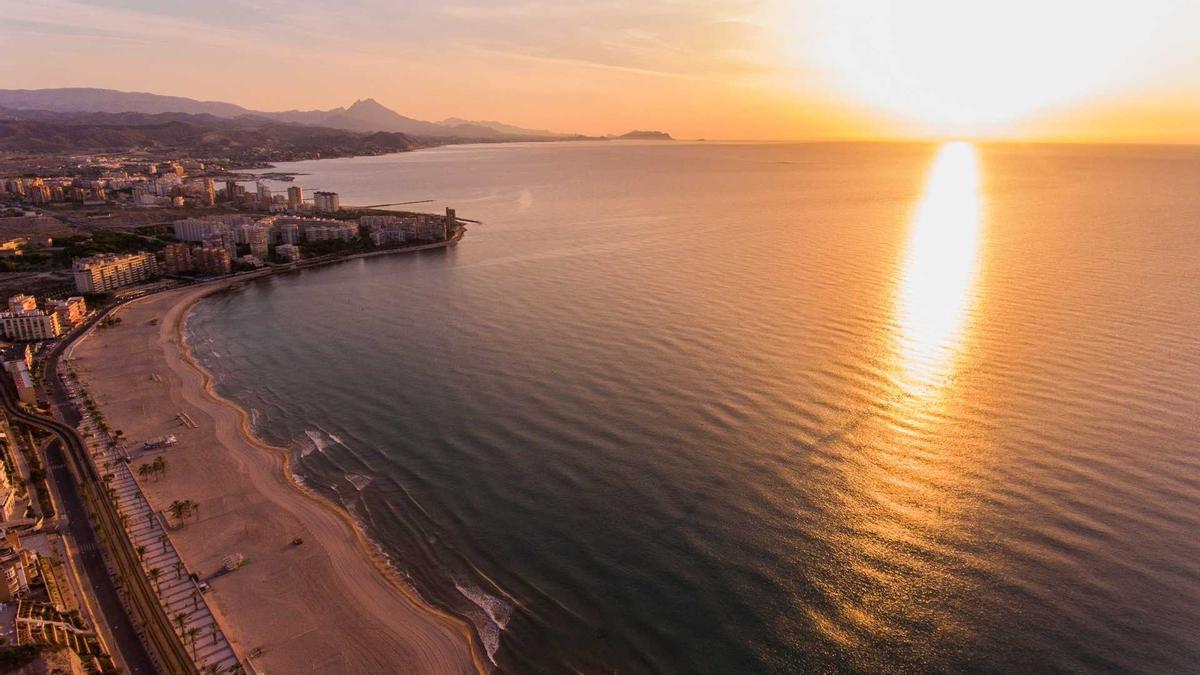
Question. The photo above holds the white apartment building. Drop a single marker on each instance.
(342, 231)
(30, 325)
(326, 202)
(103, 273)
(199, 229)
(22, 303)
(70, 311)
(259, 238)
(289, 252)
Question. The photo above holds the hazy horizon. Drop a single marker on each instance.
(731, 69)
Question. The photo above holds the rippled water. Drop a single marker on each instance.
(763, 408)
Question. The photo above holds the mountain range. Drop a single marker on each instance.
(243, 139)
(366, 115)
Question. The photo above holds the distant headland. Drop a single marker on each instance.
(636, 135)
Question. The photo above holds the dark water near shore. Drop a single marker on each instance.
(763, 408)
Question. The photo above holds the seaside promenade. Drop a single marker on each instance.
(179, 595)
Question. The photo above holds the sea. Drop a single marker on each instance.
(675, 407)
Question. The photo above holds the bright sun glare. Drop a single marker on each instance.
(939, 267)
(959, 67)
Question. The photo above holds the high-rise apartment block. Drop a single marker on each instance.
(326, 202)
(295, 198)
(103, 273)
(177, 258)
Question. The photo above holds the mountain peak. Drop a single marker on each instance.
(368, 104)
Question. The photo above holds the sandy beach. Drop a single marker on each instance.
(328, 605)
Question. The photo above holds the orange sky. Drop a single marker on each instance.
(757, 69)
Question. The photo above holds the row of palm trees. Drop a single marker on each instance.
(181, 509)
(157, 468)
(191, 633)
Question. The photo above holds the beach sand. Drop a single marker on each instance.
(327, 605)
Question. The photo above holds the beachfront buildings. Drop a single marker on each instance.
(22, 303)
(326, 202)
(103, 273)
(256, 236)
(30, 324)
(70, 311)
(24, 322)
(295, 196)
(339, 230)
(199, 229)
(386, 230)
(289, 233)
(177, 258)
(288, 252)
(212, 260)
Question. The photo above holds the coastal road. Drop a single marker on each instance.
(71, 486)
(96, 576)
(132, 651)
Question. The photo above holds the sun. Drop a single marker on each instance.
(959, 65)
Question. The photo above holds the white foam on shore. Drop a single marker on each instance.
(359, 481)
(496, 615)
(318, 443)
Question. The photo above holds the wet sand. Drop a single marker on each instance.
(328, 605)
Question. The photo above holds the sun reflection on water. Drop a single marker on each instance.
(909, 469)
(936, 287)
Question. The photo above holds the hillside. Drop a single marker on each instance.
(246, 139)
(646, 136)
(366, 115)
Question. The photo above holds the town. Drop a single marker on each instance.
(100, 223)
(76, 246)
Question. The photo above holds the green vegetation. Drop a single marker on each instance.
(28, 262)
(107, 242)
(161, 231)
(15, 656)
(37, 473)
(313, 249)
(180, 509)
(95, 301)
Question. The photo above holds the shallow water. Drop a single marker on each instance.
(762, 408)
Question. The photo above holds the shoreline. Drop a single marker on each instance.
(172, 309)
(369, 548)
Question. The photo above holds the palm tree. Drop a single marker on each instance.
(150, 518)
(177, 509)
(180, 617)
(178, 569)
(194, 506)
(154, 574)
(212, 629)
(160, 465)
(191, 635)
(162, 539)
(141, 551)
(144, 471)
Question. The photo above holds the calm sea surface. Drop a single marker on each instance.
(731, 408)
